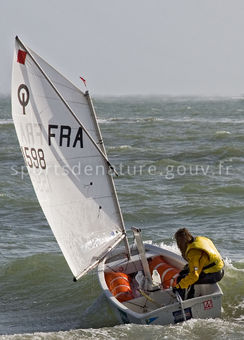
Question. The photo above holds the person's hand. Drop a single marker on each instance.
(186, 267)
(180, 291)
(176, 289)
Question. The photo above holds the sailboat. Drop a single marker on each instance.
(63, 149)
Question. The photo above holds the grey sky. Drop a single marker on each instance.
(176, 47)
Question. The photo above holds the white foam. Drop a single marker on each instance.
(120, 147)
(172, 247)
(223, 132)
(6, 121)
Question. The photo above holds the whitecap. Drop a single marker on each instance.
(120, 147)
(223, 132)
(6, 121)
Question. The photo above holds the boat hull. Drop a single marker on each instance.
(162, 307)
(206, 307)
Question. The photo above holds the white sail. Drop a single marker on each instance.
(66, 162)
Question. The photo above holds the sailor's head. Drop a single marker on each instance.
(183, 237)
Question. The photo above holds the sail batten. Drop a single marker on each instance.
(67, 164)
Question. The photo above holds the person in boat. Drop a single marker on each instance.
(205, 264)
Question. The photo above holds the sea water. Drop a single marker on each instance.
(181, 164)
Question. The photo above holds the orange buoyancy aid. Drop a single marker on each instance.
(205, 244)
(119, 285)
(167, 273)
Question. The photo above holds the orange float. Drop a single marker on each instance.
(167, 273)
(119, 286)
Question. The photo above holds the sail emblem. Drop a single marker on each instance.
(23, 96)
(21, 57)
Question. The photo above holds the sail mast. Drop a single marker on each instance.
(89, 99)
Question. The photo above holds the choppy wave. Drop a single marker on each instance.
(59, 301)
(37, 291)
(223, 132)
(124, 120)
(193, 329)
(173, 120)
(44, 282)
(221, 152)
(6, 121)
(120, 147)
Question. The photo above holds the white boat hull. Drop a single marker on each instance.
(162, 308)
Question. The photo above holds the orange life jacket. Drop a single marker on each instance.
(167, 273)
(119, 285)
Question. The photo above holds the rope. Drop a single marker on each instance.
(149, 298)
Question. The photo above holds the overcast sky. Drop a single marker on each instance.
(176, 47)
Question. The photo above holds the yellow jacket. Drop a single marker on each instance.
(199, 254)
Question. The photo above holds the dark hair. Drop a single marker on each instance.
(183, 237)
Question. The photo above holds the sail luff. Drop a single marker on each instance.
(94, 116)
(65, 103)
(89, 99)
